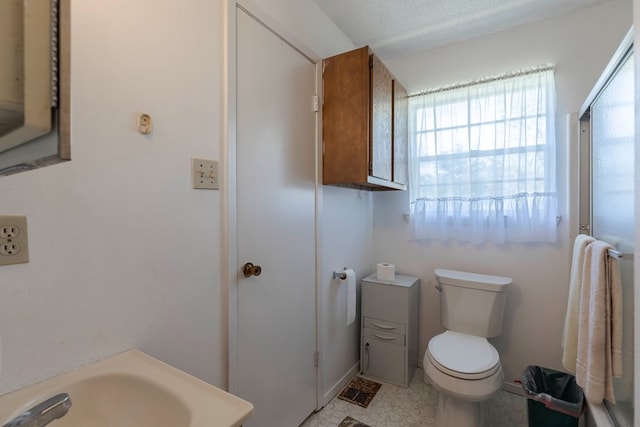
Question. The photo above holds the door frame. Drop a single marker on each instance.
(229, 274)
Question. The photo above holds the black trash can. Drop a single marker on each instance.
(553, 398)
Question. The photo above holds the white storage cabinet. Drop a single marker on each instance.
(389, 341)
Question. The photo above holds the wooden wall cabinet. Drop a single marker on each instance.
(364, 123)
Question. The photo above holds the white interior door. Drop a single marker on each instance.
(275, 167)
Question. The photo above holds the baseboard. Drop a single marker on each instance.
(512, 387)
(333, 391)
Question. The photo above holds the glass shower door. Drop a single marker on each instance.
(612, 204)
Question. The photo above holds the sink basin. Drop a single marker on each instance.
(132, 389)
(122, 400)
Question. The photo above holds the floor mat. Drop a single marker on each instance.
(350, 422)
(359, 391)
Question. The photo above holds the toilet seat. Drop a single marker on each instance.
(463, 356)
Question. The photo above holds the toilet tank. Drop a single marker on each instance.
(472, 303)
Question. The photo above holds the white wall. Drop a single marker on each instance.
(580, 45)
(305, 21)
(347, 242)
(123, 252)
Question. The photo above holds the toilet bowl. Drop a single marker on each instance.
(466, 370)
(464, 366)
(460, 363)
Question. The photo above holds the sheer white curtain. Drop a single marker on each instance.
(482, 161)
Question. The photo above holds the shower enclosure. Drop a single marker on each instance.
(607, 148)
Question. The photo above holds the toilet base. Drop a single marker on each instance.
(461, 413)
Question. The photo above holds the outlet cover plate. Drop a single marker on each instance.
(14, 242)
(204, 174)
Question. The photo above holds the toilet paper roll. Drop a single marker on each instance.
(351, 295)
(386, 271)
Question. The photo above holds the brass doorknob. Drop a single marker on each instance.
(251, 270)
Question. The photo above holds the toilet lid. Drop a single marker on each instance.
(463, 355)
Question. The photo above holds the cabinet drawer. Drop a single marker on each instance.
(384, 325)
(383, 336)
(383, 301)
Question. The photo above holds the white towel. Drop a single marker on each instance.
(599, 324)
(570, 336)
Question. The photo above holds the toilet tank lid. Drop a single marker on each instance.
(472, 280)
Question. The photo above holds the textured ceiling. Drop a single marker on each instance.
(400, 27)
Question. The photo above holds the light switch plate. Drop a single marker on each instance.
(204, 174)
(14, 244)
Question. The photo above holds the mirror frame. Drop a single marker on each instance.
(64, 98)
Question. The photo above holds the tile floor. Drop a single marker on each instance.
(415, 406)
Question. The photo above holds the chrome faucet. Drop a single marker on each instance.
(43, 413)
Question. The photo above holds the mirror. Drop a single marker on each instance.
(34, 84)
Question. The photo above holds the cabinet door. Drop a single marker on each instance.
(380, 148)
(383, 360)
(345, 117)
(400, 133)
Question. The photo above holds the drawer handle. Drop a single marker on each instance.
(384, 337)
(381, 326)
(366, 353)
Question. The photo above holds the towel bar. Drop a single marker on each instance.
(620, 255)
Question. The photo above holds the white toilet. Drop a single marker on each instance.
(460, 363)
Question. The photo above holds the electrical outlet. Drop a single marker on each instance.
(204, 174)
(14, 244)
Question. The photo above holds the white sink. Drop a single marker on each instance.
(132, 389)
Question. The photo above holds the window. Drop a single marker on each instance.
(483, 160)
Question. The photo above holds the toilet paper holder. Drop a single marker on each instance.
(340, 275)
